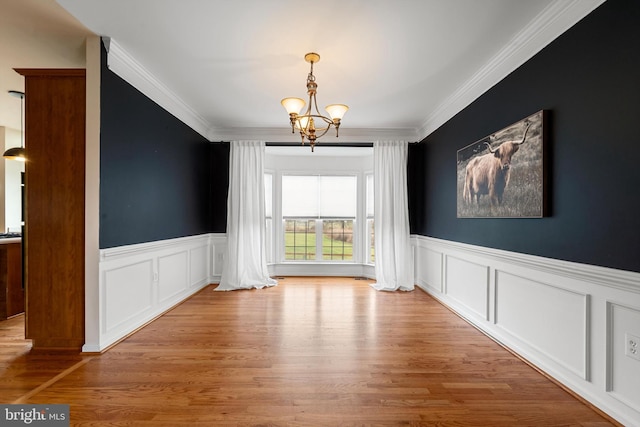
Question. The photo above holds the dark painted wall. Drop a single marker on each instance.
(219, 186)
(589, 79)
(159, 179)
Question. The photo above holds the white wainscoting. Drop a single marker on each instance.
(570, 320)
(139, 282)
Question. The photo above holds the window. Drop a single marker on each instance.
(371, 255)
(268, 213)
(319, 215)
(337, 240)
(299, 239)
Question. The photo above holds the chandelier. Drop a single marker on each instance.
(307, 123)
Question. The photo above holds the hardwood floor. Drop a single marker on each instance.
(308, 352)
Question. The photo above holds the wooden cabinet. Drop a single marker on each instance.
(11, 291)
(54, 207)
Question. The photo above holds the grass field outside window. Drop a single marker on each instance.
(301, 239)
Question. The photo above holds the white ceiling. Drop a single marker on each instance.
(404, 67)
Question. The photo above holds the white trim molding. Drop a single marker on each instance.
(284, 134)
(140, 282)
(570, 320)
(554, 20)
(123, 64)
(327, 269)
(137, 283)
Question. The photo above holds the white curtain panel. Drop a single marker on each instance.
(394, 259)
(245, 264)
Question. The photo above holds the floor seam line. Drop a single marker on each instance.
(61, 375)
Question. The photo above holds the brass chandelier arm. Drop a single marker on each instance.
(313, 101)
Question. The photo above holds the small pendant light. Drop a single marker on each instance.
(17, 153)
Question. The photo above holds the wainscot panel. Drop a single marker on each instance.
(173, 273)
(140, 282)
(623, 373)
(562, 333)
(433, 276)
(573, 321)
(135, 281)
(468, 283)
(198, 270)
(218, 252)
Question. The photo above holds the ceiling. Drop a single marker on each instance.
(403, 67)
(34, 34)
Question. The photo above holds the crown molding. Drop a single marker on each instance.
(554, 20)
(284, 134)
(125, 66)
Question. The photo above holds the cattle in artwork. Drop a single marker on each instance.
(489, 174)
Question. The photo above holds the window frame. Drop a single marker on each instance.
(370, 220)
(269, 226)
(359, 233)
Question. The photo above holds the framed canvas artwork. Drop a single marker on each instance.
(503, 174)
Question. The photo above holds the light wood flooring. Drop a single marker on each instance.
(308, 352)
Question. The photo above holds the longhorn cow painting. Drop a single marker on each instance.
(503, 174)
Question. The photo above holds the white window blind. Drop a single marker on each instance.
(338, 196)
(319, 196)
(300, 196)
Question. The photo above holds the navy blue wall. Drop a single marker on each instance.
(159, 179)
(589, 80)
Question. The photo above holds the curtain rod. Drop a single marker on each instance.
(322, 144)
